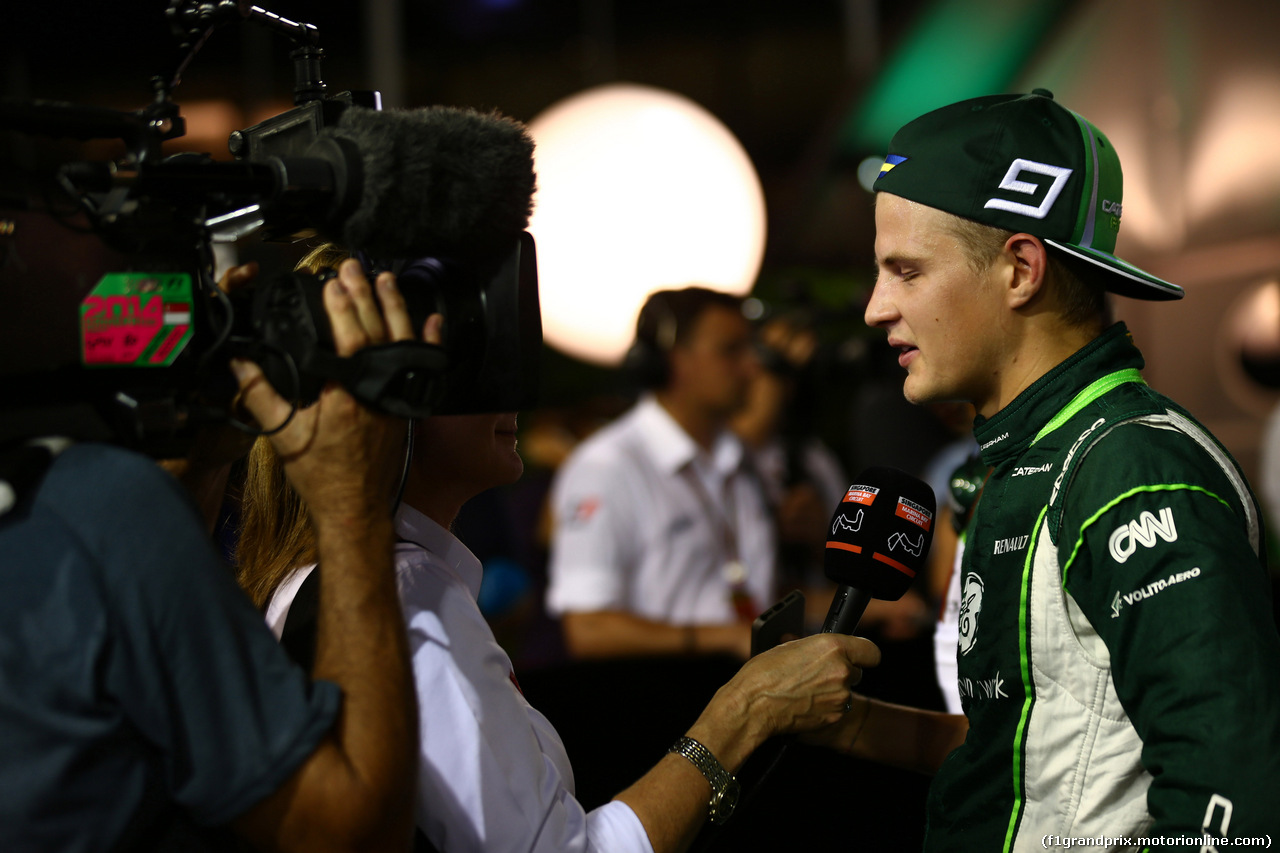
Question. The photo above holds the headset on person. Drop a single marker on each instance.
(647, 361)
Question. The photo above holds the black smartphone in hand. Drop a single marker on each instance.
(785, 617)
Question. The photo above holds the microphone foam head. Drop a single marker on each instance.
(880, 533)
(438, 181)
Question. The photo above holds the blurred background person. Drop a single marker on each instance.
(804, 479)
(663, 541)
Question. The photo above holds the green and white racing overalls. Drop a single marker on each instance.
(1118, 659)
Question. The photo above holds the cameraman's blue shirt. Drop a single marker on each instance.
(135, 676)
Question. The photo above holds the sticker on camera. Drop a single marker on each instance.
(136, 319)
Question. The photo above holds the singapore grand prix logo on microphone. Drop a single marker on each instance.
(913, 512)
(901, 540)
(843, 522)
(865, 495)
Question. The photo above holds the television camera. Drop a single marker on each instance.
(115, 328)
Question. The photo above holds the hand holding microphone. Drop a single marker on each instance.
(878, 541)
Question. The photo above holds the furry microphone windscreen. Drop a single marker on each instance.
(438, 180)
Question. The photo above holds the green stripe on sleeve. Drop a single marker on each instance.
(1167, 487)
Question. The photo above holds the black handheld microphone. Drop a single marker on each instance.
(879, 540)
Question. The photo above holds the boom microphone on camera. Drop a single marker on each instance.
(397, 184)
(437, 181)
(879, 540)
(444, 196)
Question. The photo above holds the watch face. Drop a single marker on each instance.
(724, 802)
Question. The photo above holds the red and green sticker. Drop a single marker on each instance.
(136, 319)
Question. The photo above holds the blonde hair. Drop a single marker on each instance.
(275, 534)
(275, 528)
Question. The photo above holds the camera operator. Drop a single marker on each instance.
(138, 686)
(493, 772)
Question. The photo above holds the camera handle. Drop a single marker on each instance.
(397, 379)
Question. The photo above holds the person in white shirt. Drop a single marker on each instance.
(663, 541)
(493, 773)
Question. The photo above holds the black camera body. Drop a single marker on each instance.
(114, 328)
(484, 364)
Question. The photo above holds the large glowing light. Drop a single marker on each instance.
(639, 189)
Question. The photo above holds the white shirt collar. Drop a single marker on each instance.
(672, 448)
(413, 526)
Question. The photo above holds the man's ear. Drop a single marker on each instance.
(676, 361)
(1029, 261)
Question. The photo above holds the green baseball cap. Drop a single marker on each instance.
(1022, 163)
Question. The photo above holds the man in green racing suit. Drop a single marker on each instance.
(1118, 659)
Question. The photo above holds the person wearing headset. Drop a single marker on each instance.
(663, 541)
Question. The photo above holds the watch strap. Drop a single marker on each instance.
(709, 766)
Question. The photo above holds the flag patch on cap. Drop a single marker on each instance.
(889, 162)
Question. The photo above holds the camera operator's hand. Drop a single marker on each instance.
(352, 793)
(335, 450)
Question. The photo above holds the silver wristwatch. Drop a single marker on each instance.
(724, 788)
